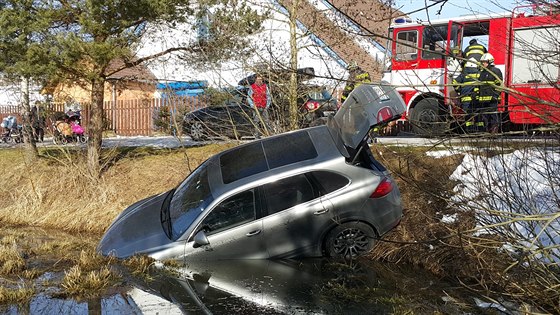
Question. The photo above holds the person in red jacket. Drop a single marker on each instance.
(259, 99)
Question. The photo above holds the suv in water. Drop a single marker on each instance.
(310, 192)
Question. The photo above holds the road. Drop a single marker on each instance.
(172, 142)
(138, 141)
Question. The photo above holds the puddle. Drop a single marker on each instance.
(312, 286)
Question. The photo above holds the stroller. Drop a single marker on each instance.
(67, 128)
(11, 131)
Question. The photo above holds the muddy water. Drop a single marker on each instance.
(271, 287)
(311, 286)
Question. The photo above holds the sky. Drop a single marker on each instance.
(454, 8)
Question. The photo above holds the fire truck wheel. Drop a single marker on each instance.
(426, 118)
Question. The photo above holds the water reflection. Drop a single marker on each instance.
(314, 286)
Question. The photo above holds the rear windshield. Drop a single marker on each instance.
(265, 155)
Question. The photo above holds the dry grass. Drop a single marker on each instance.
(91, 275)
(448, 250)
(27, 253)
(11, 260)
(56, 192)
(19, 295)
(87, 284)
(421, 238)
(140, 266)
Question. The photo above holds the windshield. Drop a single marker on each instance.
(189, 200)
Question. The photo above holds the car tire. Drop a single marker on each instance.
(350, 240)
(197, 131)
(426, 118)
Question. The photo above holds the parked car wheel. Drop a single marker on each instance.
(197, 131)
(350, 240)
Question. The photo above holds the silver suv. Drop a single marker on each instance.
(312, 192)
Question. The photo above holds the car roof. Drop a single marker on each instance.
(260, 159)
(367, 106)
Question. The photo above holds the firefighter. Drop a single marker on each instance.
(466, 86)
(474, 50)
(490, 80)
(356, 77)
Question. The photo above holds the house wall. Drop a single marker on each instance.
(114, 90)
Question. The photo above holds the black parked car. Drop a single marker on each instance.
(232, 120)
(317, 104)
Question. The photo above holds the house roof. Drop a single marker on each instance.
(135, 73)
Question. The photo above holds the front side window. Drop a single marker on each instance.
(407, 45)
(232, 212)
(434, 40)
(288, 192)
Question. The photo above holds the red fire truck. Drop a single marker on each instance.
(525, 44)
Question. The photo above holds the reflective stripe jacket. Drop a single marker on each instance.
(358, 79)
(475, 51)
(490, 80)
(466, 84)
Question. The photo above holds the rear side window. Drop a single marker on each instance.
(289, 148)
(288, 192)
(329, 181)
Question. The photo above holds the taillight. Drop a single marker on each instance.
(312, 105)
(383, 189)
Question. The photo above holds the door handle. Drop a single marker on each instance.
(319, 212)
(253, 233)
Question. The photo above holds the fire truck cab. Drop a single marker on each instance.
(525, 44)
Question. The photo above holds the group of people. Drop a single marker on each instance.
(478, 88)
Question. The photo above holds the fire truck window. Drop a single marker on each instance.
(407, 45)
(535, 57)
(434, 39)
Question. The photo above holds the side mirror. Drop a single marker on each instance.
(200, 239)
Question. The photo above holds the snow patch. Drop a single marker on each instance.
(514, 195)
